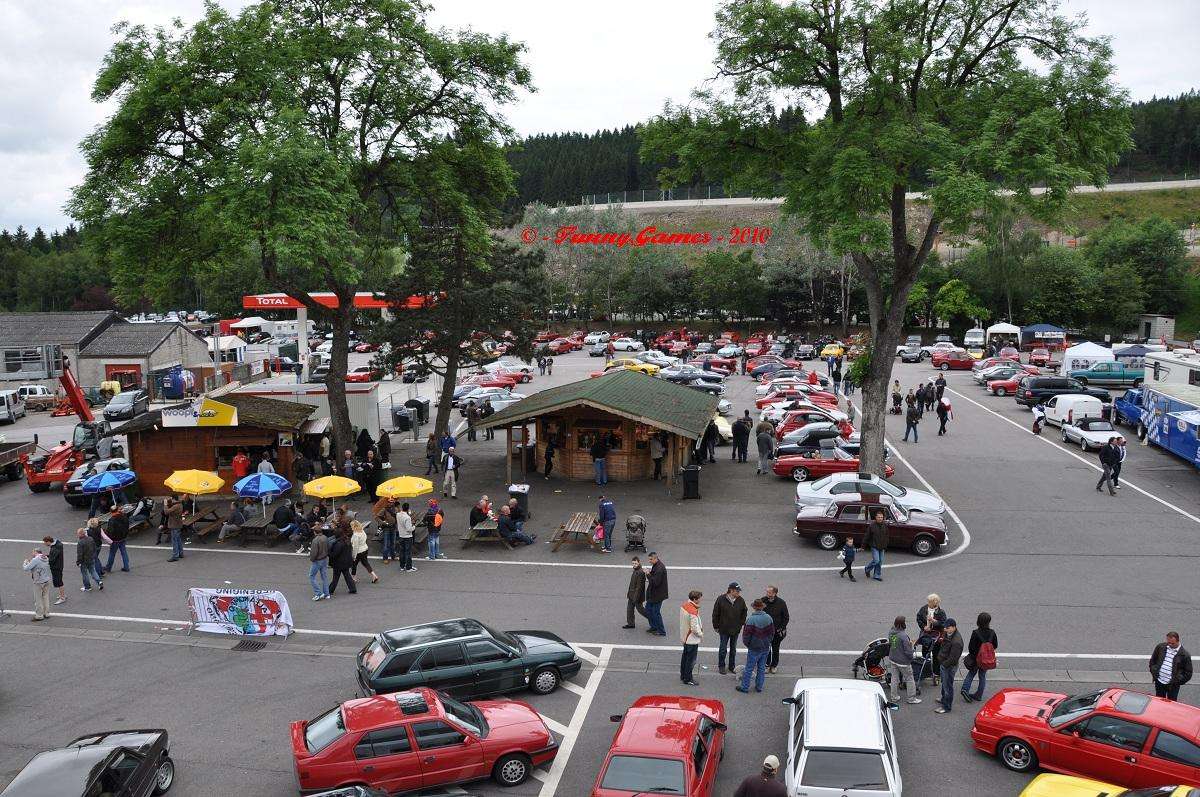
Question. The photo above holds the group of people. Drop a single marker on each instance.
(475, 413)
(928, 396)
(510, 520)
(441, 456)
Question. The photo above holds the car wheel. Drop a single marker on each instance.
(1001, 391)
(1016, 755)
(1083, 445)
(945, 366)
(924, 545)
(164, 776)
(828, 541)
(544, 681)
(1063, 433)
(1083, 381)
(800, 474)
(511, 769)
(1141, 431)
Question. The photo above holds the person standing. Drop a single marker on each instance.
(708, 447)
(97, 535)
(939, 386)
(728, 618)
(446, 442)
(848, 552)
(1039, 417)
(85, 559)
(741, 439)
(1116, 477)
(765, 438)
(451, 462)
(981, 657)
(472, 419)
(756, 635)
(606, 515)
(386, 517)
(911, 418)
(264, 464)
(690, 635)
(173, 515)
(432, 454)
(599, 452)
(405, 530)
(118, 532)
(485, 412)
(54, 558)
(341, 559)
(385, 450)
(551, 447)
(318, 558)
(764, 783)
(899, 664)
(635, 594)
(240, 465)
(657, 452)
(948, 654)
(360, 550)
(1109, 457)
(1170, 667)
(944, 413)
(656, 593)
(876, 539)
(368, 474)
(836, 375)
(549, 366)
(777, 609)
(324, 448)
(38, 568)
(434, 517)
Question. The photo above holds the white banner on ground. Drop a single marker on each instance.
(240, 612)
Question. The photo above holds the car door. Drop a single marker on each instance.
(496, 669)
(125, 776)
(445, 667)
(852, 522)
(714, 741)
(387, 759)
(1172, 759)
(700, 763)
(447, 754)
(1051, 406)
(1102, 747)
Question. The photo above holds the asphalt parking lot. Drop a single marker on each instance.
(1081, 587)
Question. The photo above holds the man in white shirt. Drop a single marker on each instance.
(1170, 666)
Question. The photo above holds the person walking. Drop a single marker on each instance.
(944, 413)
(485, 412)
(1170, 667)
(931, 397)
(97, 537)
(434, 517)
(939, 386)
(405, 531)
(551, 447)
(472, 419)
(549, 366)
(911, 418)
(899, 664)
(318, 558)
(764, 437)
(1116, 479)
(85, 559)
(1039, 417)
(635, 594)
(741, 439)
(777, 609)
(606, 515)
(54, 557)
(876, 539)
(756, 635)
(708, 443)
(173, 518)
(690, 635)
(599, 452)
(836, 375)
(728, 618)
(360, 550)
(38, 568)
(240, 464)
(385, 450)
(657, 452)
(981, 657)
(948, 654)
(341, 559)
(848, 552)
(447, 441)
(432, 455)
(1109, 457)
(118, 533)
(764, 783)
(656, 593)
(451, 462)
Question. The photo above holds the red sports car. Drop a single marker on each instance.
(419, 739)
(665, 745)
(1113, 735)
(729, 364)
(559, 346)
(814, 465)
(490, 380)
(1005, 387)
(755, 349)
(953, 359)
(801, 418)
(1039, 357)
(365, 373)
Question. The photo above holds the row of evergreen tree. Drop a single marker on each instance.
(559, 168)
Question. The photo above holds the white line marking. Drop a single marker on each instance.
(538, 774)
(588, 657)
(1070, 453)
(550, 784)
(556, 726)
(572, 687)
(606, 648)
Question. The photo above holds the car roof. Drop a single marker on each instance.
(662, 725)
(381, 711)
(1178, 718)
(429, 633)
(841, 714)
(57, 772)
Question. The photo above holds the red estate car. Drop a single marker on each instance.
(815, 464)
(1113, 735)
(829, 526)
(419, 739)
(490, 380)
(953, 359)
(665, 745)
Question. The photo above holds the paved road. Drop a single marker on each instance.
(1081, 585)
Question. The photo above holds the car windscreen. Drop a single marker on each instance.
(324, 730)
(373, 655)
(503, 637)
(638, 774)
(844, 769)
(121, 398)
(1073, 708)
(464, 714)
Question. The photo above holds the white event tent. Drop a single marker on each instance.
(1084, 355)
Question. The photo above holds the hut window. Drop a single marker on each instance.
(587, 437)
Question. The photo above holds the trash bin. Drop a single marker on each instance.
(421, 408)
(521, 493)
(402, 419)
(691, 481)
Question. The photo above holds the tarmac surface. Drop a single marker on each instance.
(1081, 586)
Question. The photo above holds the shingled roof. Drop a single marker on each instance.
(254, 411)
(630, 394)
(62, 329)
(130, 340)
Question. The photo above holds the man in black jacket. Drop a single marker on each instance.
(728, 618)
(341, 559)
(876, 540)
(1170, 667)
(741, 438)
(656, 593)
(55, 550)
(776, 608)
(949, 653)
(85, 558)
(635, 595)
(118, 532)
(1109, 457)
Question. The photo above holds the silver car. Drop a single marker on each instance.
(823, 492)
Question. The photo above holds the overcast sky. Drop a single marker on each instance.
(595, 65)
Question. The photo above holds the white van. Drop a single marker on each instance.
(1069, 408)
(12, 406)
(974, 338)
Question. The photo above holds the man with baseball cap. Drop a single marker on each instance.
(763, 784)
(728, 617)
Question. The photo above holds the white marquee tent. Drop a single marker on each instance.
(1084, 355)
(1003, 330)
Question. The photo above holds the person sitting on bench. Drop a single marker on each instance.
(233, 525)
(508, 529)
(284, 519)
(139, 513)
(517, 513)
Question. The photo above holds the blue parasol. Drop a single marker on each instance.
(262, 486)
(108, 481)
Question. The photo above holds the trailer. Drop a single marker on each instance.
(10, 457)
(1165, 415)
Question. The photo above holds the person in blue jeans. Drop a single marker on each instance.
(85, 557)
(433, 520)
(756, 636)
(983, 634)
(606, 513)
(947, 661)
(599, 452)
(118, 532)
(318, 557)
(876, 539)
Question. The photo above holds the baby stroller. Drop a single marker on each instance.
(869, 665)
(635, 534)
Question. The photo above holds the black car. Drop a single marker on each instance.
(465, 658)
(72, 489)
(682, 374)
(127, 405)
(714, 388)
(118, 763)
(911, 354)
(1035, 389)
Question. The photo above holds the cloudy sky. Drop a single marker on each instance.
(594, 65)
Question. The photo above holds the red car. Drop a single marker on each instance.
(953, 360)
(365, 373)
(801, 418)
(817, 464)
(419, 739)
(490, 380)
(1010, 352)
(1114, 735)
(797, 392)
(849, 515)
(544, 337)
(983, 365)
(1040, 357)
(665, 745)
(365, 347)
(755, 349)
(729, 364)
(1007, 387)
(675, 347)
(559, 346)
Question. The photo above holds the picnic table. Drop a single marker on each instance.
(203, 521)
(485, 531)
(576, 531)
(260, 526)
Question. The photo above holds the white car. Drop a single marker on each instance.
(775, 412)
(724, 406)
(724, 429)
(944, 345)
(840, 740)
(1088, 432)
(787, 382)
(595, 337)
(825, 491)
(656, 357)
(627, 344)
(523, 371)
(499, 397)
(730, 350)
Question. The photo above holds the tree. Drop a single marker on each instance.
(959, 98)
(1154, 248)
(1118, 298)
(729, 284)
(1060, 286)
(287, 134)
(955, 303)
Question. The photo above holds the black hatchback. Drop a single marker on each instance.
(1033, 390)
(466, 659)
(120, 763)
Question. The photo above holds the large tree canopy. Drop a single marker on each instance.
(959, 98)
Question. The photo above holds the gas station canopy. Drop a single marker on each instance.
(363, 300)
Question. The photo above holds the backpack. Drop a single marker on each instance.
(985, 659)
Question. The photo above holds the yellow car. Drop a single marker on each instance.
(975, 352)
(724, 428)
(833, 350)
(630, 364)
(1066, 786)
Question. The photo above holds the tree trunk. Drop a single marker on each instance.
(339, 413)
(442, 422)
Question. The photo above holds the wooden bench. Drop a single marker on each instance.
(485, 531)
(260, 526)
(203, 522)
(576, 531)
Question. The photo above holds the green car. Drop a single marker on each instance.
(465, 659)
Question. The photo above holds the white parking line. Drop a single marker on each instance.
(1070, 453)
(588, 657)
(555, 725)
(571, 687)
(550, 783)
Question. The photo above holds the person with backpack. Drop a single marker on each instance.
(944, 413)
(981, 657)
(434, 517)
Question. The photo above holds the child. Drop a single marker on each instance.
(848, 558)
